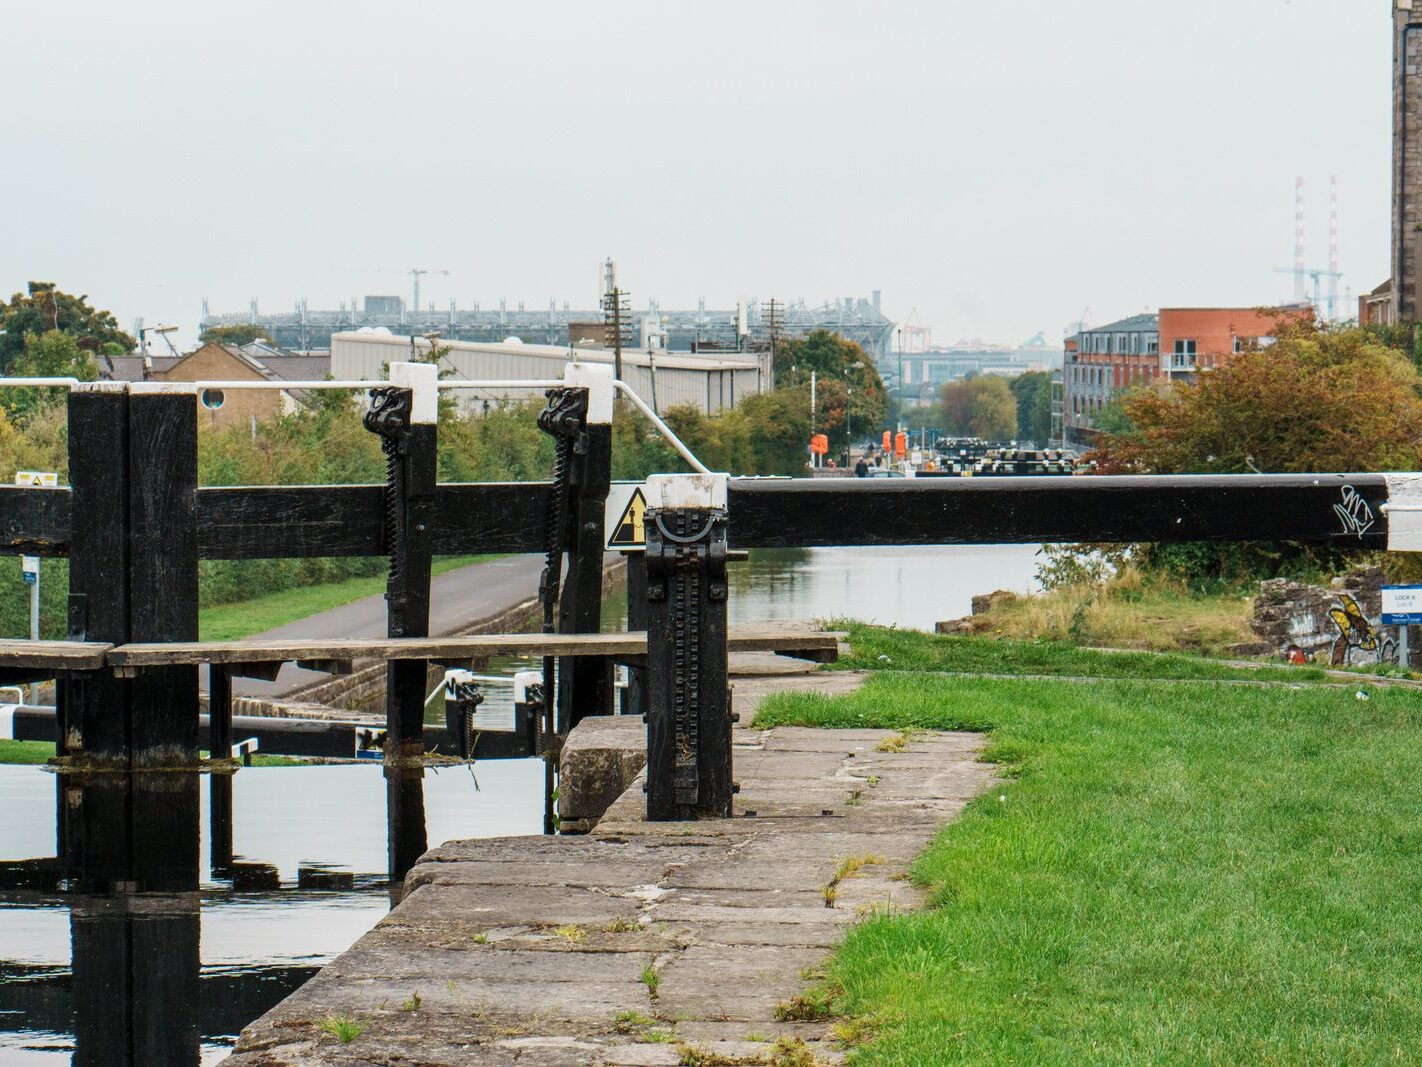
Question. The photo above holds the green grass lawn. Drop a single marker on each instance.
(1171, 873)
(231, 622)
(25, 751)
(912, 650)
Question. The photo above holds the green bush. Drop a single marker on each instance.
(327, 445)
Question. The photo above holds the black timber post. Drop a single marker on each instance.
(634, 697)
(585, 685)
(579, 419)
(219, 822)
(96, 720)
(219, 711)
(405, 833)
(163, 567)
(689, 713)
(133, 844)
(405, 415)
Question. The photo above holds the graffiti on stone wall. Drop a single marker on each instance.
(1358, 640)
(1339, 623)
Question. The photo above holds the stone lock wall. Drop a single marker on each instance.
(1337, 624)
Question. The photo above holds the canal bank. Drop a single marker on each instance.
(335, 817)
(495, 596)
(643, 943)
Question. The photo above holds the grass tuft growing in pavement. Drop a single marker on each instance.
(1180, 873)
(344, 1028)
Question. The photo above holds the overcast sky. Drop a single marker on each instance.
(1002, 167)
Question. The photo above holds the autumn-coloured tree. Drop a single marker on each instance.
(850, 395)
(1315, 400)
(44, 308)
(981, 405)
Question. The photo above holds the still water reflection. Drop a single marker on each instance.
(145, 919)
(907, 587)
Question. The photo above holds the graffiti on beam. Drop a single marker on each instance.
(1354, 512)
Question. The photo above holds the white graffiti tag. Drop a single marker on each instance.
(1354, 513)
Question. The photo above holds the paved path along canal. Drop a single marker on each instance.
(634, 945)
(459, 599)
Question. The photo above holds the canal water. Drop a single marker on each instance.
(145, 919)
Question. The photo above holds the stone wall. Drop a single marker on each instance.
(1337, 624)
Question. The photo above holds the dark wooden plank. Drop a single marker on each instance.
(261, 522)
(59, 655)
(97, 705)
(477, 646)
(163, 570)
(776, 513)
(267, 521)
(33, 521)
(489, 517)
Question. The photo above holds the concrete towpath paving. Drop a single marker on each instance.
(642, 942)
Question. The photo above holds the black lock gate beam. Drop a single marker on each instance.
(1346, 510)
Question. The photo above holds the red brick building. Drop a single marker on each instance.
(1194, 339)
(1173, 345)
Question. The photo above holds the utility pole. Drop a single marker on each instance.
(774, 312)
(616, 310)
(900, 419)
(813, 407)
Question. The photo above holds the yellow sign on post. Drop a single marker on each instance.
(626, 507)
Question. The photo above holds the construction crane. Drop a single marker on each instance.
(1317, 275)
(916, 337)
(415, 273)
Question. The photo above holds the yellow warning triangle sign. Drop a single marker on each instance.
(629, 532)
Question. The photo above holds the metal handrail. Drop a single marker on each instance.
(662, 428)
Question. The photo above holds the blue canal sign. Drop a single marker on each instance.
(1401, 605)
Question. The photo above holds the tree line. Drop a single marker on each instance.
(992, 407)
(48, 333)
(1320, 398)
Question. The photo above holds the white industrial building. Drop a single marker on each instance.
(710, 383)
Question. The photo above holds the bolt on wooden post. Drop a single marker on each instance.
(689, 699)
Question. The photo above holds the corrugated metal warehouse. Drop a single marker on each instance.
(660, 378)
